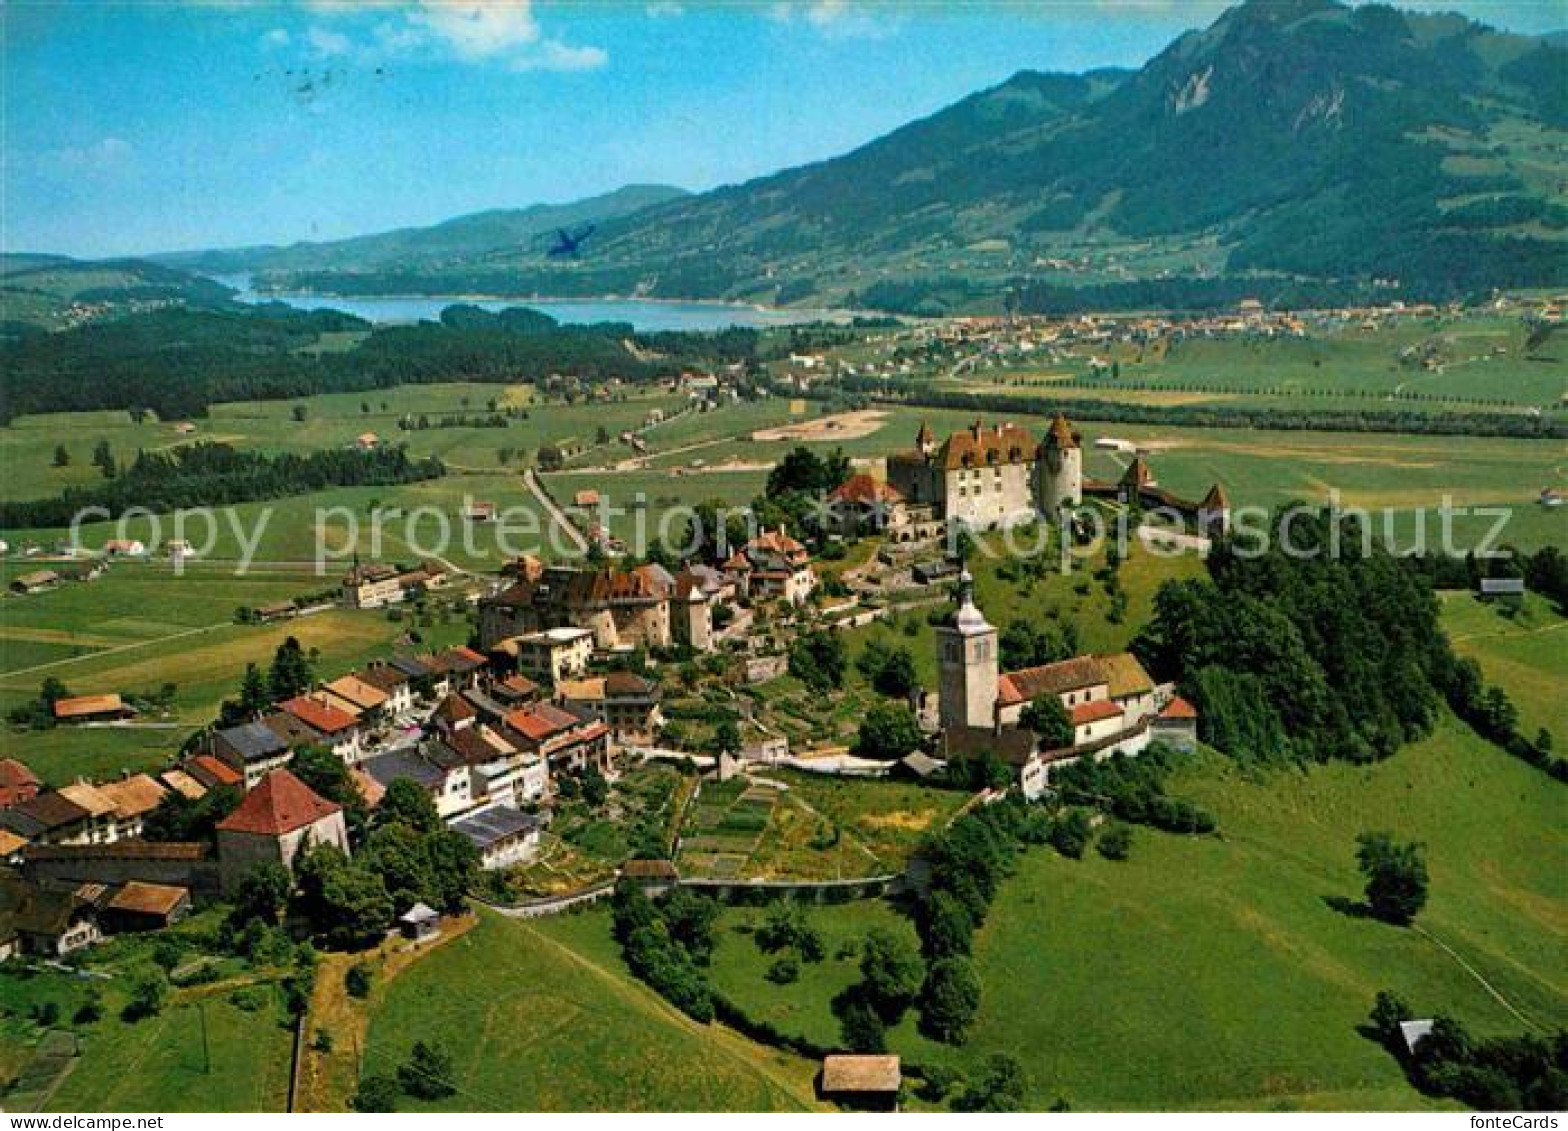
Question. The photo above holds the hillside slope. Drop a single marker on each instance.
(1291, 138)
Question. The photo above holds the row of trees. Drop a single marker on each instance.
(1414, 421)
(208, 474)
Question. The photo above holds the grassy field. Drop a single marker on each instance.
(1526, 653)
(27, 446)
(543, 1016)
(1211, 973)
(156, 1063)
(142, 626)
(1480, 362)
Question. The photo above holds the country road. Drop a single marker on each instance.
(557, 515)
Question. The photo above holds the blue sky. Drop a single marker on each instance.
(157, 125)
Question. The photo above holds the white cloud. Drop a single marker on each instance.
(328, 43)
(504, 32)
(664, 10)
(277, 37)
(837, 19)
(105, 155)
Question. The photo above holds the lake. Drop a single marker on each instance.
(643, 314)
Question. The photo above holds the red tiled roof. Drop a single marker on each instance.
(216, 771)
(1095, 711)
(864, 488)
(454, 709)
(279, 804)
(322, 716)
(1060, 434)
(979, 446)
(1049, 679)
(1179, 708)
(531, 724)
(14, 775)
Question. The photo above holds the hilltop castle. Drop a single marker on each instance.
(990, 477)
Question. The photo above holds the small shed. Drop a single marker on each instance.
(1414, 1032)
(862, 1081)
(1507, 590)
(141, 906)
(420, 922)
(654, 876)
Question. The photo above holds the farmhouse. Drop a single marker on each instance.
(372, 586)
(91, 708)
(35, 582)
(17, 783)
(44, 920)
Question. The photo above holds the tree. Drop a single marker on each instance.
(427, 1073)
(1115, 842)
(406, 801)
(1000, 1087)
(255, 696)
(1047, 717)
(345, 903)
(689, 918)
(891, 973)
(1070, 833)
(858, 1024)
(291, 673)
(726, 738)
(177, 818)
(550, 458)
(263, 894)
(62, 458)
(946, 928)
(103, 459)
(817, 660)
(891, 671)
(1396, 877)
(888, 732)
(950, 1000)
(376, 1092)
(298, 412)
(1388, 1012)
(149, 992)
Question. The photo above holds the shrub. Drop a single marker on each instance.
(784, 971)
(376, 1094)
(1115, 842)
(357, 980)
(427, 1073)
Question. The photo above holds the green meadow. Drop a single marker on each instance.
(222, 1045)
(1479, 363)
(1213, 972)
(143, 625)
(1524, 651)
(543, 1016)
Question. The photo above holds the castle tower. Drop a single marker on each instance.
(1058, 469)
(925, 439)
(966, 664)
(1214, 513)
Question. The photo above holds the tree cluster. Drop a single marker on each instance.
(1526, 1073)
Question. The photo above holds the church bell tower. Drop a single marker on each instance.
(967, 664)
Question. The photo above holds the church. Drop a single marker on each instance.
(1114, 705)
